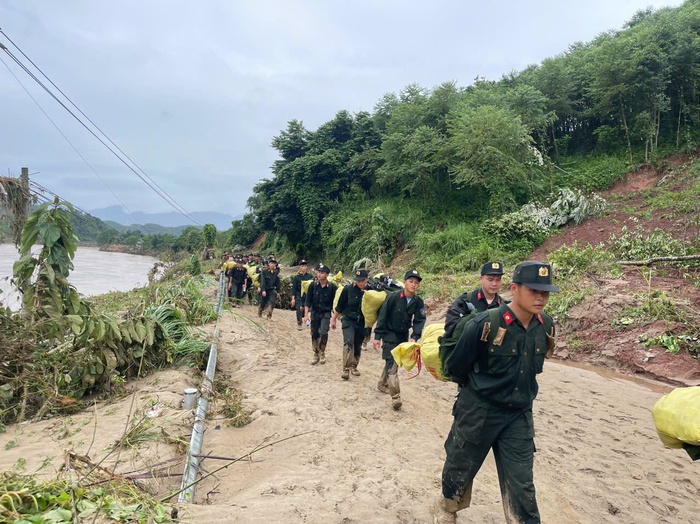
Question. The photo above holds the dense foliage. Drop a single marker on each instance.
(448, 155)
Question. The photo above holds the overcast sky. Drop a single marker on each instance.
(195, 91)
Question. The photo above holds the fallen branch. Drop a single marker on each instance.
(658, 259)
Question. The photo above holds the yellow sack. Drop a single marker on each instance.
(305, 286)
(406, 355)
(337, 279)
(430, 350)
(255, 277)
(677, 417)
(371, 302)
(251, 270)
(335, 299)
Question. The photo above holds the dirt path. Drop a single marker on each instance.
(598, 460)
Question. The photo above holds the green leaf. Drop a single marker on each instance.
(50, 232)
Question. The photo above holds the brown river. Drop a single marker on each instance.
(95, 272)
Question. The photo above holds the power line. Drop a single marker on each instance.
(144, 177)
(67, 139)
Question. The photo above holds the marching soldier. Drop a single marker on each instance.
(297, 300)
(353, 322)
(319, 304)
(269, 288)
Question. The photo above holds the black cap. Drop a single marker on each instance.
(303, 262)
(361, 274)
(535, 275)
(412, 273)
(323, 268)
(271, 260)
(492, 268)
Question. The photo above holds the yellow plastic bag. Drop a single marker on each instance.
(430, 350)
(251, 270)
(305, 286)
(677, 417)
(371, 302)
(337, 279)
(337, 296)
(406, 355)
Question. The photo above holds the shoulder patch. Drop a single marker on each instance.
(422, 311)
(508, 318)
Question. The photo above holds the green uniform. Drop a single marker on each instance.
(496, 371)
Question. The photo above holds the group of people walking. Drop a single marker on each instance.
(495, 363)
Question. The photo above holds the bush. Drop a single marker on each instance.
(577, 260)
(640, 245)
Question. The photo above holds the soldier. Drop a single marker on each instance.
(238, 277)
(269, 288)
(401, 311)
(297, 300)
(319, 303)
(486, 297)
(353, 322)
(495, 363)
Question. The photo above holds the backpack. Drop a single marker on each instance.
(447, 344)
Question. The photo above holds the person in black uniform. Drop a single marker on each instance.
(486, 297)
(319, 304)
(401, 311)
(353, 322)
(297, 300)
(495, 365)
(269, 288)
(238, 278)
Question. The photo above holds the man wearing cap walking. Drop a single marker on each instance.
(486, 297)
(317, 308)
(297, 302)
(353, 322)
(495, 363)
(237, 279)
(269, 288)
(401, 311)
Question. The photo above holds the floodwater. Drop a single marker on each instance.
(95, 272)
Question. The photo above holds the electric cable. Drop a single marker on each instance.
(145, 178)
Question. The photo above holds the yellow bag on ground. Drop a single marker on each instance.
(677, 417)
(371, 302)
(430, 350)
(305, 286)
(406, 355)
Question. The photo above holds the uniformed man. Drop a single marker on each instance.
(401, 311)
(238, 277)
(297, 300)
(269, 288)
(317, 308)
(353, 322)
(486, 297)
(495, 363)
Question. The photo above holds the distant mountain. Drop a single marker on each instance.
(172, 219)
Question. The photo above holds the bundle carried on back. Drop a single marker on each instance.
(677, 419)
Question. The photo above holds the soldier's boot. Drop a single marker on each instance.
(260, 311)
(347, 361)
(269, 310)
(444, 511)
(368, 335)
(299, 326)
(353, 368)
(394, 388)
(382, 384)
(322, 349)
(314, 346)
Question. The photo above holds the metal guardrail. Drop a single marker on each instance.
(189, 477)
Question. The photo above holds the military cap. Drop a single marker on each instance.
(361, 274)
(322, 268)
(535, 275)
(492, 268)
(303, 262)
(412, 273)
(271, 260)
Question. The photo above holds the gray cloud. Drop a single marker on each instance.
(194, 93)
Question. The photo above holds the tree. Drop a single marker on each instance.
(209, 235)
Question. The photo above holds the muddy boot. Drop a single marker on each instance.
(322, 349)
(382, 384)
(269, 310)
(353, 368)
(260, 311)
(299, 326)
(394, 388)
(314, 345)
(444, 511)
(348, 361)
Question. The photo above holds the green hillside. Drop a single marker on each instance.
(457, 175)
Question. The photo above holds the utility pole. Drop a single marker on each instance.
(24, 181)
